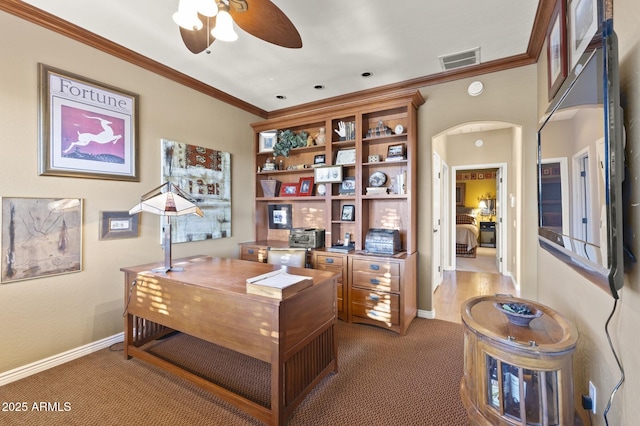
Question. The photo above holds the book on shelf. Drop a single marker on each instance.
(374, 190)
(277, 284)
(340, 248)
(395, 158)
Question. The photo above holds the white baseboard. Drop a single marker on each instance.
(47, 363)
(426, 314)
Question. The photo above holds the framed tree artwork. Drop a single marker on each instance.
(40, 237)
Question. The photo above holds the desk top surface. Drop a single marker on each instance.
(221, 273)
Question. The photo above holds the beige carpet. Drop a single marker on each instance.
(485, 261)
(383, 379)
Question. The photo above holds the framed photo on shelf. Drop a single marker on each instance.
(348, 212)
(346, 156)
(279, 216)
(583, 25)
(266, 141)
(82, 135)
(289, 190)
(305, 186)
(328, 174)
(348, 186)
(118, 225)
(557, 49)
(395, 151)
(319, 160)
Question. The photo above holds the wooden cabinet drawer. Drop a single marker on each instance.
(329, 260)
(379, 282)
(254, 253)
(375, 305)
(381, 268)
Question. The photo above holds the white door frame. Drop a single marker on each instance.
(501, 228)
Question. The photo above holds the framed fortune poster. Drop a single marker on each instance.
(86, 129)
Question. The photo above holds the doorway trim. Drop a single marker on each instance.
(501, 213)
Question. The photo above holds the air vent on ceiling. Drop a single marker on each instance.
(460, 59)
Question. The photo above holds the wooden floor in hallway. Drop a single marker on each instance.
(459, 286)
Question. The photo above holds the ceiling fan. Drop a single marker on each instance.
(203, 21)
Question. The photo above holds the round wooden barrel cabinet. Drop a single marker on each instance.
(515, 374)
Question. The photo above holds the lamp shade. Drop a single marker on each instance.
(167, 200)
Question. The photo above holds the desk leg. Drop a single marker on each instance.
(128, 334)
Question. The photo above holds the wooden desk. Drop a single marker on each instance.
(209, 301)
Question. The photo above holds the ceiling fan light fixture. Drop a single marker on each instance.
(224, 25)
(187, 15)
(207, 8)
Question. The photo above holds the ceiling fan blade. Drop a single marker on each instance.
(199, 40)
(266, 21)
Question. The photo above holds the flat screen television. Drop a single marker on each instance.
(581, 167)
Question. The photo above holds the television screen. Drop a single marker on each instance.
(580, 168)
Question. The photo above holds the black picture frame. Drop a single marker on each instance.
(348, 213)
(280, 216)
(319, 159)
(348, 186)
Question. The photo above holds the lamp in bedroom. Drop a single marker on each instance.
(167, 200)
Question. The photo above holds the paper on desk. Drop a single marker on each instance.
(277, 279)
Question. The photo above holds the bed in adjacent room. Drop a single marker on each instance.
(466, 235)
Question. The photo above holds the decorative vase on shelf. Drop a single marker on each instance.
(321, 136)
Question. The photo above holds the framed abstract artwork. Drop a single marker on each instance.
(40, 237)
(86, 129)
(204, 174)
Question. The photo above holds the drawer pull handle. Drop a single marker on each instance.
(374, 297)
(374, 281)
(329, 260)
(374, 267)
(250, 251)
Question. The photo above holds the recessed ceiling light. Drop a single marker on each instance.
(475, 88)
(318, 86)
(367, 74)
(281, 97)
(479, 143)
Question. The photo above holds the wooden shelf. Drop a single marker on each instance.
(391, 211)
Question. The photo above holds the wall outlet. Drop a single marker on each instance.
(592, 395)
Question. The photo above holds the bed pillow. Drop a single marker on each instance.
(465, 219)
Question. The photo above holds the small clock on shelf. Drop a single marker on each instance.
(377, 179)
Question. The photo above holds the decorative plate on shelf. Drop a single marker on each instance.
(377, 179)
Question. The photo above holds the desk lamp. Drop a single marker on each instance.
(167, 200)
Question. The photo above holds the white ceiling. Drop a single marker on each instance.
(395, 40)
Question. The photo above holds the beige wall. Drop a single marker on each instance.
(47, 316)
(505, 99)
(583, 303)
